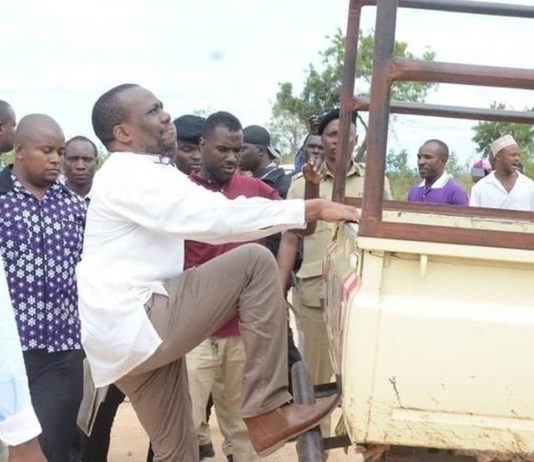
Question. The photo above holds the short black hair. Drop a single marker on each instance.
(85, 139)
(108, 112)
(5, 111)
(443, 148)
(218, 119)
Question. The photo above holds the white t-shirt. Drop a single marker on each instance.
(489, 192)
(18, 422)
(141, 211)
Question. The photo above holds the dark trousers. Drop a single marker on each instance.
(56, 387)
(96, 446)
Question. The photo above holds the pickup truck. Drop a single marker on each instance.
(430, 308)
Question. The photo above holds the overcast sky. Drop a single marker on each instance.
(59, 56)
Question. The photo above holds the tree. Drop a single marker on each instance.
(322, 85)
(487, 132)
(400, 175)
(286, 133)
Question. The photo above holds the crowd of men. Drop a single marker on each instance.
(164, 278)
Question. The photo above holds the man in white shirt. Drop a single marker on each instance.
(506, 187)
(141, 313)
(19, 426)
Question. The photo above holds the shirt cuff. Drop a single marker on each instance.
(297, 210)
(20, 428)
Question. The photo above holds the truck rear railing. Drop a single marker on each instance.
(388, 69)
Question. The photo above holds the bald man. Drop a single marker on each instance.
(7, 127)
(41, 226)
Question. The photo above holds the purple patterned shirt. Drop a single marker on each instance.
(41, 244)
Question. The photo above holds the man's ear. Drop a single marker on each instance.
(201, 144)
(121, 134)
(19, 152)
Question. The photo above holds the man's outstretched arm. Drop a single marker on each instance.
(319, 209)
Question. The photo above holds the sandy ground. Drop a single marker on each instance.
(129, 442)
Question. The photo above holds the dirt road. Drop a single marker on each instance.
(129, 443)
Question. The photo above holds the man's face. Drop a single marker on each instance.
(40, 155)
(430, 162)
(188, 157)
(7, 132)
(220, 153)
(147, 128)
(508, 159)
(250, 157)
(329, 140)
(313, 150)
(79, 164)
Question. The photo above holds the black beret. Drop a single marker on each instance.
(189, 127)
(332, 115)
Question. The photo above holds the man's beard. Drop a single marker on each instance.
(167, 149)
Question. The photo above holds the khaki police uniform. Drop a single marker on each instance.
(313, 338)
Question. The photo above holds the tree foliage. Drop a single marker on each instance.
(322, 84)
(400, 175)
(486, 132)
(286, 133)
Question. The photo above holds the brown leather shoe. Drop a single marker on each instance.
(270, 431)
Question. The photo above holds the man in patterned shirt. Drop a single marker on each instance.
(41, 229)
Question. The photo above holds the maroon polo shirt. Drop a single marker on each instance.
(197, 253)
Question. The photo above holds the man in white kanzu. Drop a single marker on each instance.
(506, 187)
(141, 313)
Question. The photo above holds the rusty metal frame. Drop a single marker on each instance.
(388, 69)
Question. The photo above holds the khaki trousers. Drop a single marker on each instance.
(216, 366)
(200, 301)
(314, 347)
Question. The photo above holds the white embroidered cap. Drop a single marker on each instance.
(501, 143)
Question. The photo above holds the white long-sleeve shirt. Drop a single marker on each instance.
(18, 422)
(140, 213)
(489, 192)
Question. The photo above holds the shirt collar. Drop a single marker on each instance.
(439, 183)
(156, 158)
(491, 178)
(55, 188)
(268, 169)
(210, 184)
(355, 169)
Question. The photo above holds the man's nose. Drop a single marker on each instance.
(165, 117)
(55, 157)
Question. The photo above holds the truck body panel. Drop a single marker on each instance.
(433, 340)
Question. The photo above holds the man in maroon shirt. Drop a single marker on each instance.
(216, 365)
